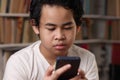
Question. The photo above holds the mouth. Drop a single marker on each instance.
(60, 46)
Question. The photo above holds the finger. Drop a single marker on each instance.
(49, 71)
(81, 73)
(61, 70)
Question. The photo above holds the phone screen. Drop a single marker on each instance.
(74, 61)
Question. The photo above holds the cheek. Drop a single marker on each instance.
(45, 36)
(46, 41)
(71, 35)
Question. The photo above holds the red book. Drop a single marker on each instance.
(84, 45)
(116, 53)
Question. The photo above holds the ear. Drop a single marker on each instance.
(35, 28)
(78, 29)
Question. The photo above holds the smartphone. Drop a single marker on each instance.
(72, 72)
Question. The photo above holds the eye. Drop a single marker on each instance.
(50, 26)
(51, 29)
(68, 28)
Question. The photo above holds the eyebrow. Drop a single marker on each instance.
(64, 24)
(50, 24)
(68, 23)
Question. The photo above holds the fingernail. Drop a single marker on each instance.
(68, 65)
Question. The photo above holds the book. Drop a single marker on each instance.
(21, 6)
(115, 30)
(7, 6)
(118, 8)
(27, 5)
(3, 6)
(113, 5)
(108, 30)
(112, 30)
(85, 30)
(83, 45)
(14, 6)
(86, 6)
(119, 31)
(1, 66)
(28, 33)
(88, 28)
(19, 30)
(14, 29)
(116, 53)
(0, 5)
(8, 30)
(1, 30)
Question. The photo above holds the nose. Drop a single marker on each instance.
(59, 35)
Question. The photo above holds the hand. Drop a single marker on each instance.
(53, 75)
(80, 76)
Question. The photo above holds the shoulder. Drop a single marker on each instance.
(26, 53)
(29, 49)
(20, 63)
(78, 51)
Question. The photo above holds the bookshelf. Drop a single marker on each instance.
(19, 45)
(101, 17)
(14, 15)
(84, 16)
(99, 22)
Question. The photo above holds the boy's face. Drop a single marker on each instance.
(57, 30)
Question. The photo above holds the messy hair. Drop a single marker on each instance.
(74, 5)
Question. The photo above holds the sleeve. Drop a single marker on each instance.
(92, 69)
(15, 69)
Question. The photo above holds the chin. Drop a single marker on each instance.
(61, 53)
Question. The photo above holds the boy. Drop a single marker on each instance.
(56, 22)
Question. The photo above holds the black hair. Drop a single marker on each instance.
(74, 5)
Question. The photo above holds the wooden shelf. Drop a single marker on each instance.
(14, 15)
(13, 46)
(111, 41)
(87, 41)
(94, 41)
(101, 17)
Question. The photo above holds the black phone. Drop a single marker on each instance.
(73, 61)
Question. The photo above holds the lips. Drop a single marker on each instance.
(60, 46)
